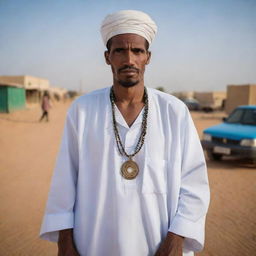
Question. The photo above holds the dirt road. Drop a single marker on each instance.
(27, 156)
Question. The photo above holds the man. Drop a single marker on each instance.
(46, 105)
(130, 179)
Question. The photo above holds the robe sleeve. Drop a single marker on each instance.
(194, 195)
(59, 209)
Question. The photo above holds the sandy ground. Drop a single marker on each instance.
(27, 156)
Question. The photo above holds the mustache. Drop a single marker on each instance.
(127, 67)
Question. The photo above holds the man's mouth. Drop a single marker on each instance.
(128, 70)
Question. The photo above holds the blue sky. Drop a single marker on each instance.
(201, 45)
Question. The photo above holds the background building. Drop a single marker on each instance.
(34, 86)
(207, 101)
(238, 95)
(184, 95)
(211, 100)
(58, 94)
(12, 97)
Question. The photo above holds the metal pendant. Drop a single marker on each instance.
(129, 170)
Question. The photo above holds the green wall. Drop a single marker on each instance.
(3, 99)
(12, 98)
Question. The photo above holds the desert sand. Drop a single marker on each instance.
(27, 156)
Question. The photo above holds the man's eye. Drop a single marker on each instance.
(137, 50)
(118, 50)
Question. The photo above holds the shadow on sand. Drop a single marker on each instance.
(230, 163)
(20, 121)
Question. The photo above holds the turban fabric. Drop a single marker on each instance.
(128, 21)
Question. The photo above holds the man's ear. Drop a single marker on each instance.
(149, 57)
(106, 54)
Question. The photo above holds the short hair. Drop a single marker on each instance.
(110, 42)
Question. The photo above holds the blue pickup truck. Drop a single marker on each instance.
(236, 136)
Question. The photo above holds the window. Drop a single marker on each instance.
(249, 117)
(236, 116)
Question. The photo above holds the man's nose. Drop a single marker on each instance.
(129, 58)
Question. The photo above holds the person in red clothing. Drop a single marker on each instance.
(45, 106)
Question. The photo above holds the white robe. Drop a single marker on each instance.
(113, 216)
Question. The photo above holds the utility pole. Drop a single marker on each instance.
(81, 87)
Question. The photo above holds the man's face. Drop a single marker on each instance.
(128, 56)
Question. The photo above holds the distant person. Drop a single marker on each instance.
(131, 178)
(45, 105)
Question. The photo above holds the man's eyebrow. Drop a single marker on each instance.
(142, 49)
(118, 48)
(137, 49)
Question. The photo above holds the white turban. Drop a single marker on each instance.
(128, 21)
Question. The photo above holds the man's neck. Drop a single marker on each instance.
(129, 95)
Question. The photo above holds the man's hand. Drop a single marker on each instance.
(171, 246)
(66, 245)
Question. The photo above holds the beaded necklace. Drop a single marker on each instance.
(130, 169)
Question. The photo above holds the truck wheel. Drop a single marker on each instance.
(214, 156)
(207, 109)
